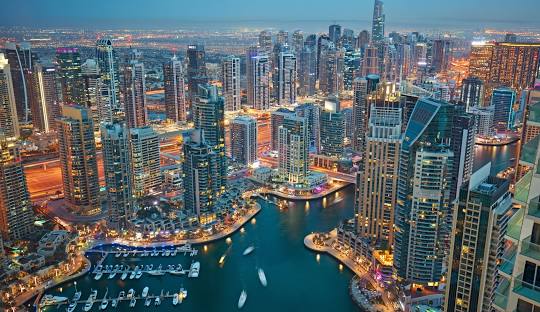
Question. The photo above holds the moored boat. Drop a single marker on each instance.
(242, 299)
(262, 277)
(248, 250)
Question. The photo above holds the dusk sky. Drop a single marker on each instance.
(104, 13)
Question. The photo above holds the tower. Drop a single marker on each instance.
(144, 145)
(44, 104)
(134, 86)
(69, 74)
(196, 70)
(244, 140)
(332, 133)
(173, 83)
(9, 122)
(502, 100)
(377, 28)
(360, 113)
(231, 83)
(293, 157)
(258, 81)
(472, 92)
(108, 70)
(287, 79)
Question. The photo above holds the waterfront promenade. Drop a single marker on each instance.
(336, 187)
(353, 266)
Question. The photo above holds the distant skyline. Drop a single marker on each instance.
(519, 14)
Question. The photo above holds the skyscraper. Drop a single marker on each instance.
(196, 70)
(145, 166)
(108, 69)
(441, 54)
(173, 83)
(282, 37)
(9, 122)
(93, 87)
(479, 225)
(503, 100)
(209, 116)
(293, 156)
(258, 81)
(297, 42)
(265, 42)
(332, 133)
(376, 181)
(231, 83)
(472, 92)
(69, 73)
(135, 95)
(370, 64)
(287, 79)
(117, 167)
(352, 61)
(311, 112)
(44, 94)
(244, 140)
(377, 28)
(16, 214)
(360, 114)
(331, 71)
(334, 32)
(276, 121)
(307, 71)
(201, 178)
(362, 40)
(77, 151)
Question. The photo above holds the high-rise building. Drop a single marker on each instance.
(334, 32)
(16, 214)
(360, 114)
(503, 100)
(352, 62)
(209, 116)
(92, 92)
(311, 112)
(108, 70)
(201, 178)
(377, 28)
(68, 62)
(196, 70)
(307, 71)
(230, 69)
(9, 122)
(349, 126)
(331, 71)
(293, 156)
(244, 140)
(347, 39)
(287, 79)
(483, 120)
(362, 40)
(173, 83)
(479, 225)
(441, 54)
(145, 166)
(472, 92)
(21, 60)
(297, 42)
(134, 87)
(276, 121)
(282, 37)
(118, 179)
(530, 126)
(258, 81)
(370, 64)
(332, 133)
(376, 182)
(78, 162)
(514, 65)
(265, 42)
(44, 94)
(435, 159)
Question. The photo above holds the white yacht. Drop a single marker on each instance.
(114, 303)
(118, 254)
(124, 275)
(222, 259)
(98, 276)
(88, 305)
(104, 304)
(242, 299)
(173, 253)
(145, 292)
(93, 294)
(126, 254)
(50, 299)
(112, 275)
(147, 302)
(262, 277)
(77, 296)
(194, 270)
(167, 253)
(132, 302)
(248, 250)
(138, 274)
(156, 273)
(182, 294)
(157, 301)
(121, 295)
(132, 275)
(131, 293)
(72, 307)
(175, 299)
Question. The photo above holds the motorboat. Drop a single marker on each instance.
(77, 296)
(93, 294)
(157, 301)
(118, 254)
(179, 267)
(121, 295)
(98, 276)
(194, 269)
(88, 305)
(222, 259)
(147, 302)
(50, 299)
(262, 277)
(138, 274)
(104, 304)
(156, 273)
(175, 299)
(114, 303)
(126, 254)
(173, 253)
(183, 294)
(124, 275)
(131, 293)
(248, 250)
(132, 302)
(72, 307)
(242, 299)
(112, 275)
(177, 272)
(167, 253)
(145, 292)
(132, 275)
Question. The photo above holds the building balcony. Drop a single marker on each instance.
(527, 290)
(530, 249)
(528, 152)
(534, 208)
(513, 230)
(521, 190)
(508, 260)
(500, 300)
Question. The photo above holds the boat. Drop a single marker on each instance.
(173, 253)
(114, 303)
(145, 292)
(104, 304)
(138, 274)
(179, 267)
(98, 276)
(126, 254)
(131, 293)
(72, 307)
(262, 277)
(145, 253)
(167, 253)
(194, 269)
(77, 296)
(157, 301)
(50, 299)
(175, 299)
(118, 254)
(132, 275)
(112, 275)
(147, 302)
(93, 295)
(242, 299)
(222, 259)
(121, 295)
(182, 295)
(176, 272)
(248, 250)
(156, 273)
(88, 305)
(132, 302)
(124, 275)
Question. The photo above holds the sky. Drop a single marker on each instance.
(160, 13)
